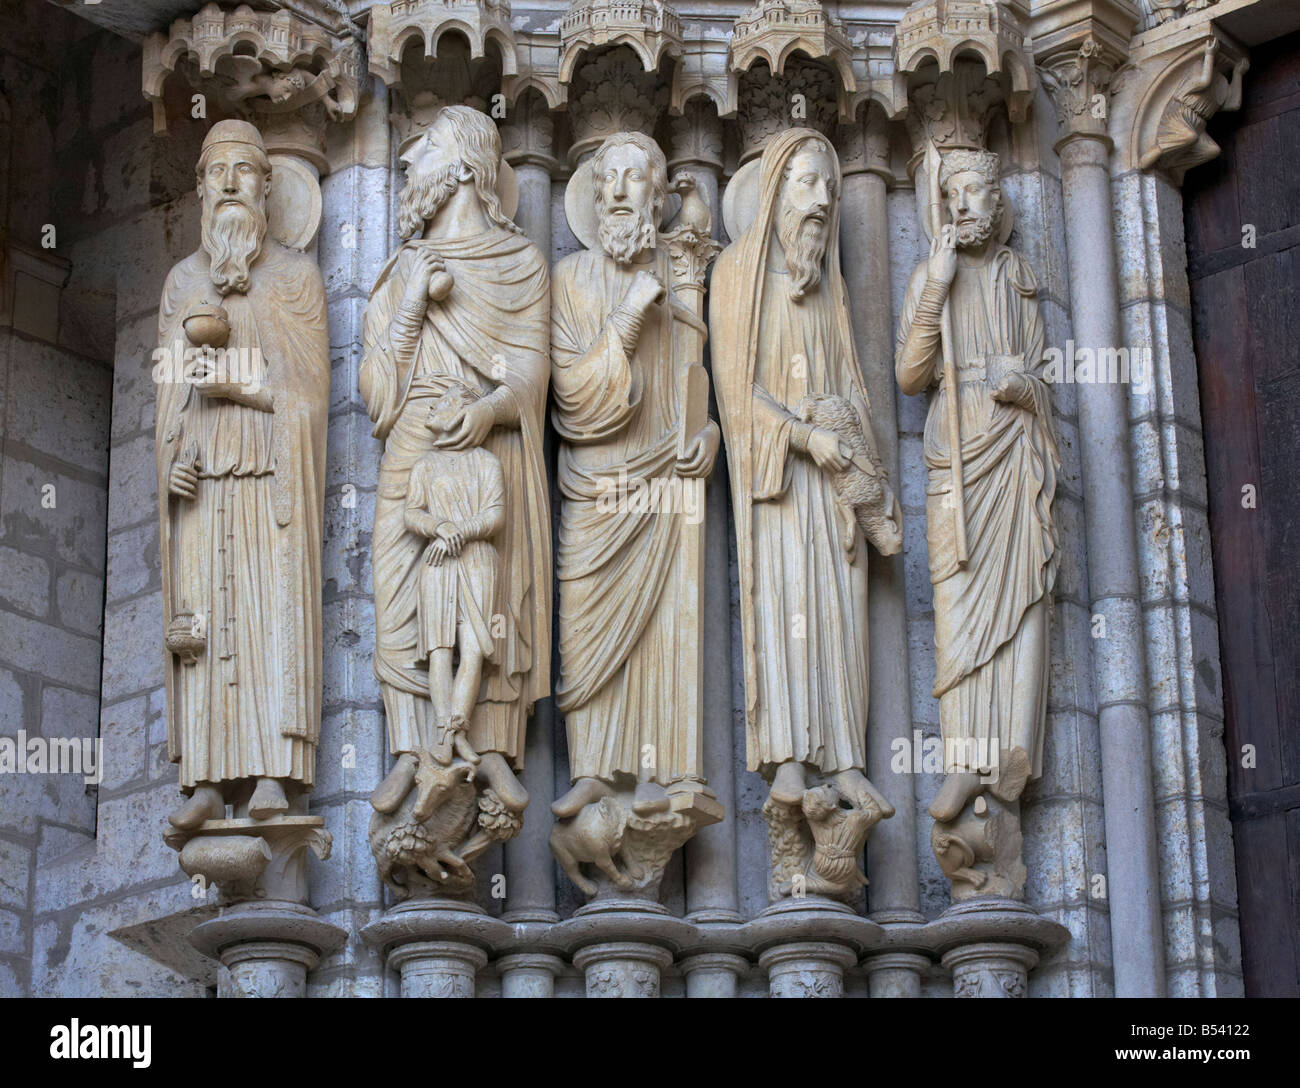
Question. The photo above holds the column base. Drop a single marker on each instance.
(438, 945)
(267, 947)
(807, 944)
(623, 945)
(991, 944)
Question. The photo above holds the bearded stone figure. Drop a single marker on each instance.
(809, 493)
(455, 360)
(631, 411)
(240, 433)
(992, 605)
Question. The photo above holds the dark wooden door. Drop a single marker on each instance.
(1246, 317)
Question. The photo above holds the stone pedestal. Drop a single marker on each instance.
(267, 947)
(623, 945)
(806, 944)
(991, 944)
(438, 945)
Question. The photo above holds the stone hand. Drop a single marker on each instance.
(942, 265)
(435, 553)
(825, 448)
(646, 290)
(1015, 388)
(204, 373)
(701, 453)
(182, 480)
(452, 537)
(470, 428)
(424, 265)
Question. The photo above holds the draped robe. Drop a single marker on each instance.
(619, 565)
(803, 594)
(991, 619)
(491, 330)
(244, 555)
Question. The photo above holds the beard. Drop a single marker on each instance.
(420, 200)
(626, 237)
(804, 242)
(232, 236)
(979, 231)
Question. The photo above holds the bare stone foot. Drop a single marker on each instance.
(650, 797)
(393, 789)
(583, 792)
(503, 781)
(268, 799)
(204, 804)
(956, 791)
(855, 785)
(789, 784)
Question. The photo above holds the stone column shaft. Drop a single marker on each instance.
(1119, 657)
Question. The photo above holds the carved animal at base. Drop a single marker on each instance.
(405, 845)
(594, 836)
(863, 486)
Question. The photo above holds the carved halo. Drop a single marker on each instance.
(293, 207)
(740, 199)
(580, 207)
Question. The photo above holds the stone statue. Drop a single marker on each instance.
(809, 492)
(243, 394)
(631, 409)
(971, 310)
(1181, 140)
(454, 377)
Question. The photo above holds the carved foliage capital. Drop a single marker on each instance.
(1079, 83)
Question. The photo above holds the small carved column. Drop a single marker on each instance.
(1079, 77)
(864, 240)
(712, 899)
(526, 140)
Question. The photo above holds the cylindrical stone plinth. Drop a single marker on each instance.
(895, 974)
(266, 969)
(806, 944)
(438, 945)
(622, 968)
(990, 944)
(438, 968)
(807, 968)
(990, 969)
(713, 974)
(622, 945)
(529, 974)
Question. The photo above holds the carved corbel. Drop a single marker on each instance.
(1173, 86)
(773, 30)
(286, 74)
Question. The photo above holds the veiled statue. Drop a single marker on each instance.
(809, 493)
(971, 328)
(631, 410)
(454, 377)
